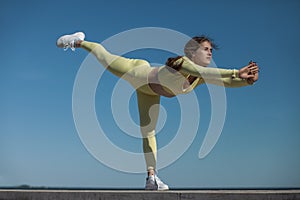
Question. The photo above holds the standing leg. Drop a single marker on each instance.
(148, 109)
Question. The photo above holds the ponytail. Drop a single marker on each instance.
(171, 62)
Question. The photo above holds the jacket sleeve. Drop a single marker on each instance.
(193, 69)
(228, 82)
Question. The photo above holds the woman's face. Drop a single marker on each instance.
(203, 55)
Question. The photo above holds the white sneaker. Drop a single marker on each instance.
(68, 41)
(154, 183)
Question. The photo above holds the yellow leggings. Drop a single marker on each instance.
(135, 71)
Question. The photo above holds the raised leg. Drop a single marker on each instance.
(116, 64)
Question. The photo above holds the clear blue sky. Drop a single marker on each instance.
(260, 142)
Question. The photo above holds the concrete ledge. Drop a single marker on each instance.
(151, 195)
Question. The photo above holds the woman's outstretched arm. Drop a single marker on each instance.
(189, 67)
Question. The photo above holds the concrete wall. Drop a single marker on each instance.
(151, 195)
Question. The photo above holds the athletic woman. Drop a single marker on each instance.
(180, 75)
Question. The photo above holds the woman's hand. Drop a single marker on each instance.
(249, 72)
(254, 79)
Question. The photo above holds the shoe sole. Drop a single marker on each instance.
(163, 189)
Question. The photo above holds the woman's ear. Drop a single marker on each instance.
(193, 53)
(192, 58)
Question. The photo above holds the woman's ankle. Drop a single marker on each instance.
(78, 43)
(151, 171)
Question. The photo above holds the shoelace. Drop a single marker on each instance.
(70, 45)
